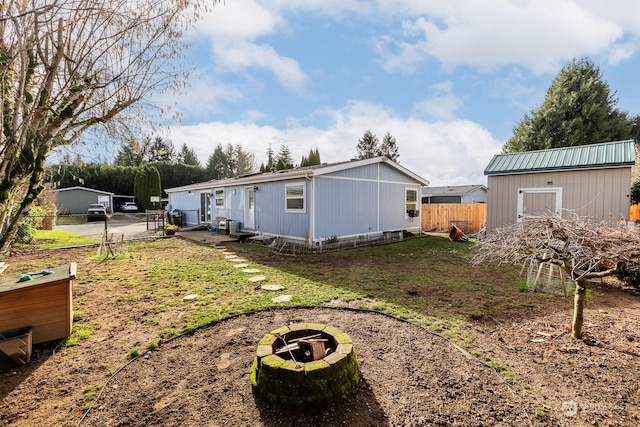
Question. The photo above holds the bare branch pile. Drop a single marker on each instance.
(581, 246)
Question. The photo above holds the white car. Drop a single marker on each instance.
(129, 207)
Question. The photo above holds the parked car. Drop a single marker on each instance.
(96, 212)
(129, 207)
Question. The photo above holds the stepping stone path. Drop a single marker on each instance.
(281, 298)
(257, 278)
(272, 287)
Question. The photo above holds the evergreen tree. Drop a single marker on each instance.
(159, 150)
(218, 166)
(367, 146)
(270, 160)
(579, 108)
(388, 148)
(312, 159)
(132, 153)
(284, 159)
(146, 184)
(244, 161)
(187, 156)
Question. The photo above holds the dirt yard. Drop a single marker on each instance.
(531, 373)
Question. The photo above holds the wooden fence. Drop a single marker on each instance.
(470, 217)
(634, 213)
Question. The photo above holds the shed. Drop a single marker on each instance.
(589, 180)
(76, 200)
(354, 199)
(42, 303)
(455, 194)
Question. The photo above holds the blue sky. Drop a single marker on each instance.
(448, 79)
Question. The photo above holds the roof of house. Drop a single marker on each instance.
(93, 190)
(300, 172)
(451, 190)
(591, 156)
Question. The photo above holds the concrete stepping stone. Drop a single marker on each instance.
(257, 279)
(241, 265)
(230, 256)
(272, 287)
(251, 270)
(190, 297)
(238, 260)
(281, 298)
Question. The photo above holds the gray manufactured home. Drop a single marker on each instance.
(355, 199)
(590, 180)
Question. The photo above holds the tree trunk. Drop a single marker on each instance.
(578, 307)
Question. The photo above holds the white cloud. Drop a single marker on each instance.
(444, 152)
(441, 103)
(239, 19)
(240, 55)
(484, 35)
(200, 99)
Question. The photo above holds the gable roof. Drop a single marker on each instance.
(591, 156)
(300, 172)
(92, 190)
(452, 190)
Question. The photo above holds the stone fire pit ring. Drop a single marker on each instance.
(287, 376)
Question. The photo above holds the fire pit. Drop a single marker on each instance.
(305, 365)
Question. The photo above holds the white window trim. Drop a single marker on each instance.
(216, 198)
(304, 197)
(520, 202)
(406, 190)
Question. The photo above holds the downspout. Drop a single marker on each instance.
(312, 211)
(378, 201)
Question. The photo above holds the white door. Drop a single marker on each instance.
(537, 202)
(250, 208)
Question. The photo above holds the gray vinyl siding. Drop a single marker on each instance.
(345, 207)
(77, 200)
(601, 194)
(271, 217)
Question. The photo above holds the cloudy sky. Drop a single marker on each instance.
(448, 79)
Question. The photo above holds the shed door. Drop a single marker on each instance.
(537, 202)
(250, 211)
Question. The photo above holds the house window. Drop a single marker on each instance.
(411, 203)
(219, 196)
(294, 197)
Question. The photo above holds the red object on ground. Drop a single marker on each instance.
(456, 234)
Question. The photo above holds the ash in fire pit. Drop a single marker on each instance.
(305, 365)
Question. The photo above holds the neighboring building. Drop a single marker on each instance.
(76, 200)
(355, 199)
(588, 180)
(455, 194)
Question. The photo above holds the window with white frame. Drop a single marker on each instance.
(411, 203)
(219, 196)
(294, 197)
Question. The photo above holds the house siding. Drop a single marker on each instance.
(597, 193)
(77, 200)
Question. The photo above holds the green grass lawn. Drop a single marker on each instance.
(427, 280)
(48, 239)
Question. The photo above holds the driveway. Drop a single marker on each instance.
(130, 225)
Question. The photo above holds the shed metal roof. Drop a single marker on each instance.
(591, 156)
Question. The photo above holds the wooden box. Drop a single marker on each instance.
(43, 303)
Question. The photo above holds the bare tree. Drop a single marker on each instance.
(69, 66)
(583, 248)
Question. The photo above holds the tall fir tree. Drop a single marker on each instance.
(389, 148)
(367, 146)
(579, 108)
(187, 155)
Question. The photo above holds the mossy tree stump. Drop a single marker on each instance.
(292, 383)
